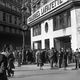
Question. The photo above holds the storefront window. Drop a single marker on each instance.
(62, 20)
(37, 45)
(37, 30)
(15, 20)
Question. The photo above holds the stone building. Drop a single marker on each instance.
(55, 23)
(10, 23)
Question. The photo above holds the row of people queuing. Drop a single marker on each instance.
(60, 58)
(29, 56)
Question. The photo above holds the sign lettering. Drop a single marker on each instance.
(45, 9)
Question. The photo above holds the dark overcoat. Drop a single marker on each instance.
(3, 67)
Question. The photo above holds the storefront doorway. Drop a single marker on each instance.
(47, 45)
(37, 45)
(62, 42)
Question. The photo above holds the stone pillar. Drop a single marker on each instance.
(43, 44)
(51, 43)
(31, 38)
(78, 26)
(74, 29)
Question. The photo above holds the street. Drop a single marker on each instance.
(32, 72)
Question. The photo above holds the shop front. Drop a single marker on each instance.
(59, 25)
(62, 42)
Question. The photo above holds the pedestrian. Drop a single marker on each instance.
(40, 61)
(11, 66)
(65, 56)
(61, 57)
(19, 58)
(76, 58)
(51, 57)
(3, 66)
(79, 57)
(70, 56)
(29, 56)
(55, 57)
(36, 55)
(47, 56)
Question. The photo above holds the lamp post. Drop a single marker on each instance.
(25, 10)
(23, 45)
(24, 28)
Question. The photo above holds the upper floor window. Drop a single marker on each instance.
(4, 16)
(15, 20)
(19, 19)
(13, 7)
(37, 30)
(10, 18)
(62, 20)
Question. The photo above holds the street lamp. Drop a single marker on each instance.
(24, 28)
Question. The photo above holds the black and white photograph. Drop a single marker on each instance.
(39, 39)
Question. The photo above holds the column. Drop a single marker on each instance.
(51, 42)
(43, 44)
(31, 38)
(73, 29)
(78, 26)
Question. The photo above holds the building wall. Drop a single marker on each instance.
(10, 27)
(70, 32)
(50, 34)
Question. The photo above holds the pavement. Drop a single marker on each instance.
(45, 67)
(32, 72)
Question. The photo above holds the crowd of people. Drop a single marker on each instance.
(55, 58)
(60, 58)
(6, 63)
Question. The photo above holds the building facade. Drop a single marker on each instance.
(55, 23)
(10, 23)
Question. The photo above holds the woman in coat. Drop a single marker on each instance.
(11, 64)
(40, 59)
(3, 67)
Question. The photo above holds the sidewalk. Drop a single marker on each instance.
(31, 67)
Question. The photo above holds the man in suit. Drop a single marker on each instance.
(77, 59)
(61, 53)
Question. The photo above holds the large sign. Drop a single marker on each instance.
(45, 9)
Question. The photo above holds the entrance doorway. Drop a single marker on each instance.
(47, 45)
(62, 42)
(37, 45)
